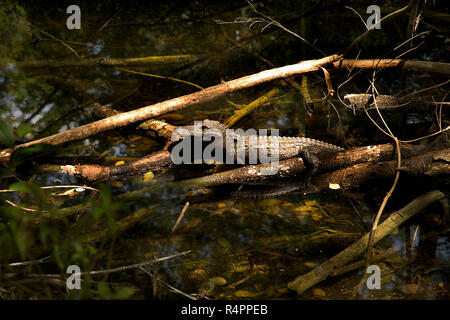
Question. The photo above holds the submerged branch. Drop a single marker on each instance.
(113, 62)
(304, 282)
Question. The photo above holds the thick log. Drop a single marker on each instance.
(294, 167)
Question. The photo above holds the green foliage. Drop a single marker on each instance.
(107, 293)
(37, 192)
(21, 155)
(6, 134)
(107, 208)
(13, 31)
(23, 129)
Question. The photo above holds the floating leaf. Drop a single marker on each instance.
(310, 264)
(119, 163)
(218, 281)
(334, 186)
(221, 204)
(148, 176)
(6, 134)
(319, 293)
(243, 294)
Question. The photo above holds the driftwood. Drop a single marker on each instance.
(417, 65)
(304, 282)
(150, 128)
(155, 161)
(430, 164)
(157, 109)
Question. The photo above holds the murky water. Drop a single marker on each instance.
(239, 248)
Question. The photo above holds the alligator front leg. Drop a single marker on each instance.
(311, 162)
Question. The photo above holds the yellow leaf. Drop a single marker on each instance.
(243, 294)
(310, 264)
(69, 192)
(222, 205)
(218, 281)
(119, 163)
(334, 186)
(319, 293)
(305, 209)
(148, 176)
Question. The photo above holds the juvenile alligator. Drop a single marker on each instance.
(285, 147)
(288, 147)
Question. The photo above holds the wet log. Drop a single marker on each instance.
(154, 162)
(294, 167)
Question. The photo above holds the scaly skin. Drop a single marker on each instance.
(288, 147)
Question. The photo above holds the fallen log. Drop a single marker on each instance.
(430, 164)
(154, 162)
(294, 167)
(151, 128)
